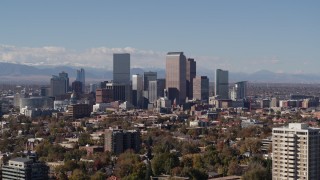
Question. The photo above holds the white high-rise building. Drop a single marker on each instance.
(221, 88)
(147, 77)
(296, 152)
(156, 89)
(137, 89)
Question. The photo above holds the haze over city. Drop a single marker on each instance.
(240, 36)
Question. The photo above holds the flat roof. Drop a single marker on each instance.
(174, 53)
(21, 159)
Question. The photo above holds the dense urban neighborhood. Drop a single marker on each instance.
(148, 128)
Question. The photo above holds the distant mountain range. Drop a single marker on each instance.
(16, 73)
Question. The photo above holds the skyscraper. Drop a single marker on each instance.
(121, 73)
(77, 87)
(147, 77)
(65, 76)
(239, 90)
(222, 84)
(191, 71)
(93, 88)
(57, 86)
(137, 89)
(176, 76)
(81, 78)
(296, 152)
(121, 68)
(201, 88)
(118, 91)
(156, 89)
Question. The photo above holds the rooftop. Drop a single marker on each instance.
(175, 53)
(298, 126)
(21, 159)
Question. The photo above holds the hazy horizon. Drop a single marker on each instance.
(239, 36)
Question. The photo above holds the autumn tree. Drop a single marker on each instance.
(129, 166)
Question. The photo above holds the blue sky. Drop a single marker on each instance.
(241, 36)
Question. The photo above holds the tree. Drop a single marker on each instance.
(98, 176)
(171, 161)
(129, 166)
(148, 170)
(234, 168)
(78, 174)
(84, 139)
(256, 172)
(157, 164)
(75, 154)
(197, 174)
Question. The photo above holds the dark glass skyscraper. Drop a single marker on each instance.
(222, 84)
(81, 78)
(191, 72)
(121, 68)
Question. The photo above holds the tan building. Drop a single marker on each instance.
(296, 152)
(201, 88)
(176, 76)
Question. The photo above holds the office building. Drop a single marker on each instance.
(274, 102)
(137, 90)
(44, 91)
(117, 140)
(57, 86)
(147, 77)
(77, 87)
(93, 88)
(222, 84)
(265, 103)
(153, 91)
(36, 102)
(239, 91)
(104, 95)
(81, 78)
(24, 168)
(65, 76)
(295, 152)
(191, 72)
(121, 68)
(118, 91)
(79, 110)
(121, 72)
(176, 77)
(201, 88)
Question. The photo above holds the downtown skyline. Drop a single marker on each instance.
(244, 36)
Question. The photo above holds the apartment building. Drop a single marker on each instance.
(296, 152)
